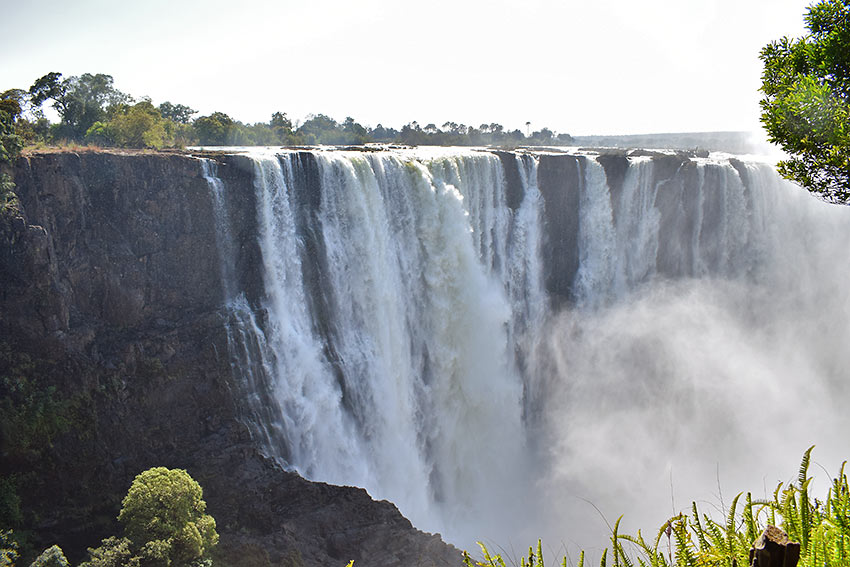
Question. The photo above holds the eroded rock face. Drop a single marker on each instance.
(560, 179)
(111, 283)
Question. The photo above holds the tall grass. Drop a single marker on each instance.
(822, 528)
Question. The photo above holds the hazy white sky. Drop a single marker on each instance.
(582, 67)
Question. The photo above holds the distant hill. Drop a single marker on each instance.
(732, 142)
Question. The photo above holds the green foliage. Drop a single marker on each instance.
(137, 126)
(179, 113)
(51, 557)
(31, 412)
(8, 198)
(821, 527)
(93, 110)
(80, 101)
(806, 107)
(215, 129)
(10, 146)
(10, 503)
(164, 518)
(113, 552)
(8, 549)
(10, 142)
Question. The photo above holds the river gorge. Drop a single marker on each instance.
(497, 342)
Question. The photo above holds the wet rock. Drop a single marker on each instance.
(110, 283)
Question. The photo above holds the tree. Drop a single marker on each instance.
(322, 129)
(806, 104)
(48, 87)
(165, 521)
(214, 129)
(541, 137)
(80, 101)
(282, 121)
(51, 557)
(138, 126)
(179, 113)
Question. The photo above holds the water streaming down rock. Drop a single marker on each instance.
(469, 334)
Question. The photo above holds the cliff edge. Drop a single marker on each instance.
(111, 317)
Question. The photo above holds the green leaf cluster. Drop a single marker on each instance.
(164, 520)
(8, 549)
(32, 413)
(138, 126)
(11, 145)
(806, 104)
(53, 556)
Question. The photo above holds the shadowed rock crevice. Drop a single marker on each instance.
(560, 179)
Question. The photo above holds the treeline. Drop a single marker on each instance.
(93, 111)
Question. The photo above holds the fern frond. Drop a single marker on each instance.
(749, 519)
(684, 555)
(615, 547)
(804, 466)
(697, 527)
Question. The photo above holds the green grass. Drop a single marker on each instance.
(821, 526)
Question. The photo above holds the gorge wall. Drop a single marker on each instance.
(112, 295)
(487, 339)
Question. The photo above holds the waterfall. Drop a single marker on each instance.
(489, 339)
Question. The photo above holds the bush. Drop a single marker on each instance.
(113, 552)
(51, 557)
(164, 518)
(8, 549)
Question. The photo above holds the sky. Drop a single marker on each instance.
(575, 66)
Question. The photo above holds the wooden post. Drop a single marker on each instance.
(774, 549)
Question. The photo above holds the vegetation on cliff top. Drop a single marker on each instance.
(93, 111)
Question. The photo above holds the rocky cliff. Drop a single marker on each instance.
(110, 301)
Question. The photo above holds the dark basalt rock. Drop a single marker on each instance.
(110, 282)
(560, 179)
(514, 193)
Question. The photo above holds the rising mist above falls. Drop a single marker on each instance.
(491, 340)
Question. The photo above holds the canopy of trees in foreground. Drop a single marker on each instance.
(806, 105)
(93, 111)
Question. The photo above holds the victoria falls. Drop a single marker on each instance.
(504, 344)
(248, 334)
(496, 340)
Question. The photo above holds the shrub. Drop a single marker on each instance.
(8, 549)
(51, 557)
(113, 552)
(164, 518)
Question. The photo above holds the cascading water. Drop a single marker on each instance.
(435, 328)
